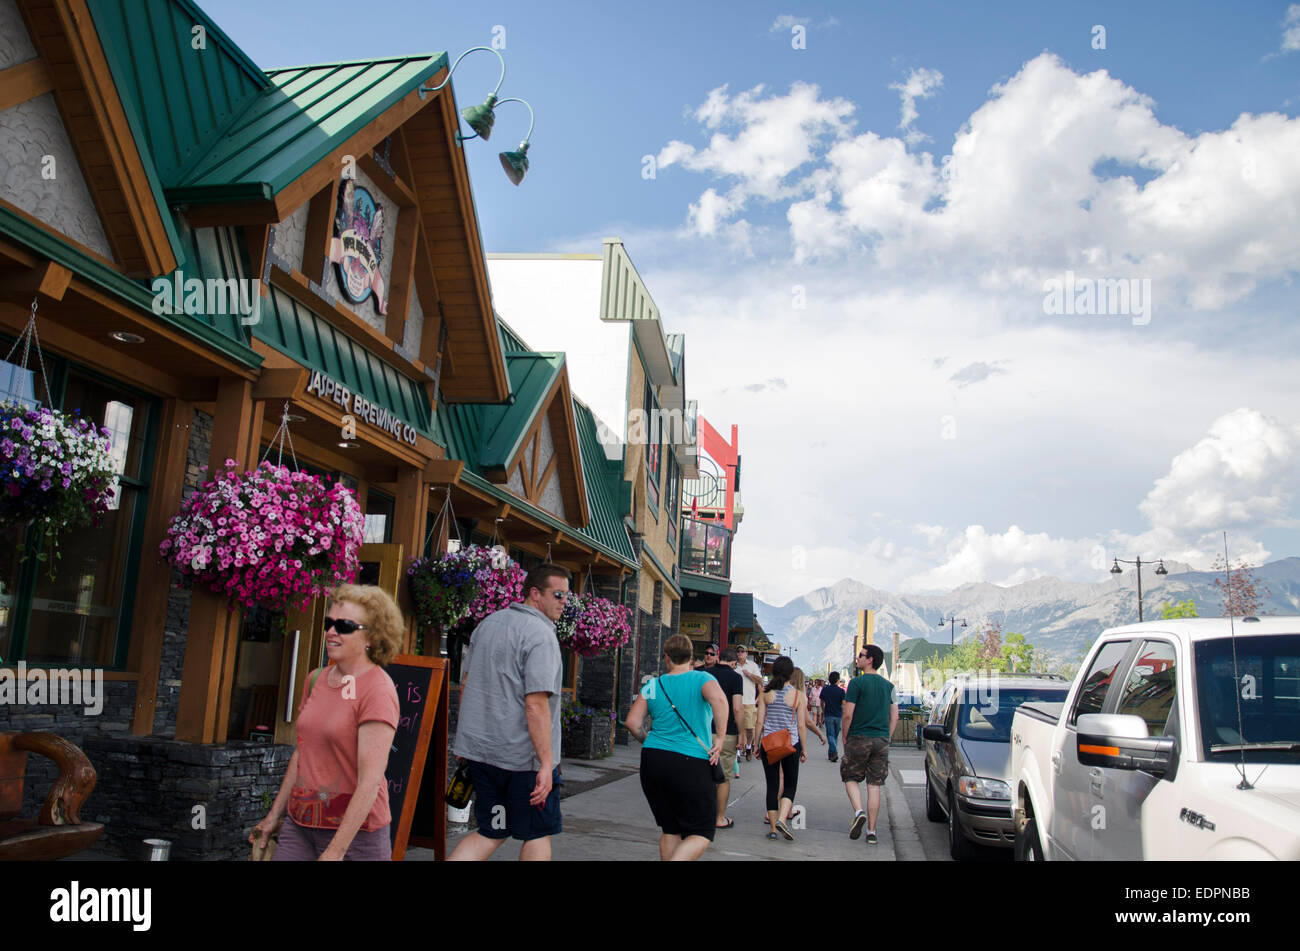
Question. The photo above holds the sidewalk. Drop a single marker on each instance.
(606, 817)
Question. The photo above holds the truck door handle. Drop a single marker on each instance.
(1056, 761)
(1094, 780)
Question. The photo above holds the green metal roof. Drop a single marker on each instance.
(694, 582)
(184, 97)
(294, 330)
(919, 649)
(290, 126)
(531, 377)
(740, 614)
(476, 433)
(219, 128)
(201, 327)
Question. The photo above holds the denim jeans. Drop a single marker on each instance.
(833, 733)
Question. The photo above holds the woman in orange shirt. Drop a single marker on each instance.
(334, 790)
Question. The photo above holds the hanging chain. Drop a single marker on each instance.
(26, 338)
(278, 440)
(447, 514)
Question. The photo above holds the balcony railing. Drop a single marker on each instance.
(706, 548)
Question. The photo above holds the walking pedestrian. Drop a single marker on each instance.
(508, 727)
(677, 767)
(334, 791)
(833, 707)
(870, 715)
(730, 681)
(798, 681)
(752, 681)
(815, 702)
(782, 707)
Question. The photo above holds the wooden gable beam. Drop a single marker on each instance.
(320, 229)
(92, 112)
(401, 286)
(24, 82)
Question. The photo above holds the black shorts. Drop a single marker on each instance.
(501, 804)
(681, 792)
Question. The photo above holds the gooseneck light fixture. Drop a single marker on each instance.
(516, 163)
(482, 118)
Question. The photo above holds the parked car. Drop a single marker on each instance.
(968, 756)
(1179, 739)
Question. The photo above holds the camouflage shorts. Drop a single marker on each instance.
(865, 758)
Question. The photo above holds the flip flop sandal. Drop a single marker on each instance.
(730, 824)
(781, 827)
(772, 836)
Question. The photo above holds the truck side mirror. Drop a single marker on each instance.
(1121, 741)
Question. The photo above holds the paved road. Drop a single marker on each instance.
(606, 817)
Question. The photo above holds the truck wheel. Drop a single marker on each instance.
(959, 847)
(932, 810)
(1028, 848)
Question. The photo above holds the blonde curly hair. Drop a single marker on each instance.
(385, 626)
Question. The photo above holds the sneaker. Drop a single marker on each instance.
(871, 837)
(859, 820)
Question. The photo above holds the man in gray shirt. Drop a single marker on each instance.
(508, 728)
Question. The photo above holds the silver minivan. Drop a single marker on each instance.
(968, 756)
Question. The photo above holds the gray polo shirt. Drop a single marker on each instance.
(511, 653)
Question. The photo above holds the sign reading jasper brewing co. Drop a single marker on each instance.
(327, 388)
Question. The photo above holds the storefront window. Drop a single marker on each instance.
(379, 518)
(81, 615)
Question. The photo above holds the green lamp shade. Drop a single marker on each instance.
(516, 164)
(481, 118)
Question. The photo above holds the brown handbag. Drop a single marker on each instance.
(777, 746)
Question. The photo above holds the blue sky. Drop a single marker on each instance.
(864, 296)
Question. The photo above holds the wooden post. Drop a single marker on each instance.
(410, 509)
(213, 637)
(150, 615)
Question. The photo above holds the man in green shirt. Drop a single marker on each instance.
(870, 715)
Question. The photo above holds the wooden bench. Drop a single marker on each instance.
(58, 831)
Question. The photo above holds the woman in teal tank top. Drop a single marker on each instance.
(688, 712)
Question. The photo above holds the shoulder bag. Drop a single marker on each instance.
(777, 746)
(719, 777)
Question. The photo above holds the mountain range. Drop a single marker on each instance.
(1060, 618)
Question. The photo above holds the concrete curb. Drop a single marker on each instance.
(907, 840)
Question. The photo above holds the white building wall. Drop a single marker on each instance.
(553, 303)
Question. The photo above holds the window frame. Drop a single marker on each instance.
(60, 370)
(1123, 664)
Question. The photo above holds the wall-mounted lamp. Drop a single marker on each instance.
(482, 117)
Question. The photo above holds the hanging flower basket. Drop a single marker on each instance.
(592, 625)
(269, 537)
(454, 591)
(56, 471)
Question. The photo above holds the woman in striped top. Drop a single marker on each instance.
(782, 707)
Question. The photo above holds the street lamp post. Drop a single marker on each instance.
(952, 627)
(1116, 569)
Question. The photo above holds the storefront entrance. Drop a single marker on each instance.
(279, 649)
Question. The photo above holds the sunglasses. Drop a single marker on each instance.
(560, 594)
(710, 654)
(343, 625)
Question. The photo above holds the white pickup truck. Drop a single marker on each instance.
(1176, 741)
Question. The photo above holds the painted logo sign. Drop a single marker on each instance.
(357, 248)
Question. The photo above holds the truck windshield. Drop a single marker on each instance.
(1267, 683)
(986, 713)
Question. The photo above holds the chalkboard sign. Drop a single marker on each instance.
(413, 775)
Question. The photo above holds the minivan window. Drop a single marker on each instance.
(1092, 694)
(988, 718)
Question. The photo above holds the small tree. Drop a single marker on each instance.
(988, 647)
(1178, 609)
(1017, 654)
(1241, 594)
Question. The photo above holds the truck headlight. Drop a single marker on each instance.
(975, 787)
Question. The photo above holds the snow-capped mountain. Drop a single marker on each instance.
(1058, 617)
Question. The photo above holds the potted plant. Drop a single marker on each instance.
(586, 732)
(268, 537)
(56, 471)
